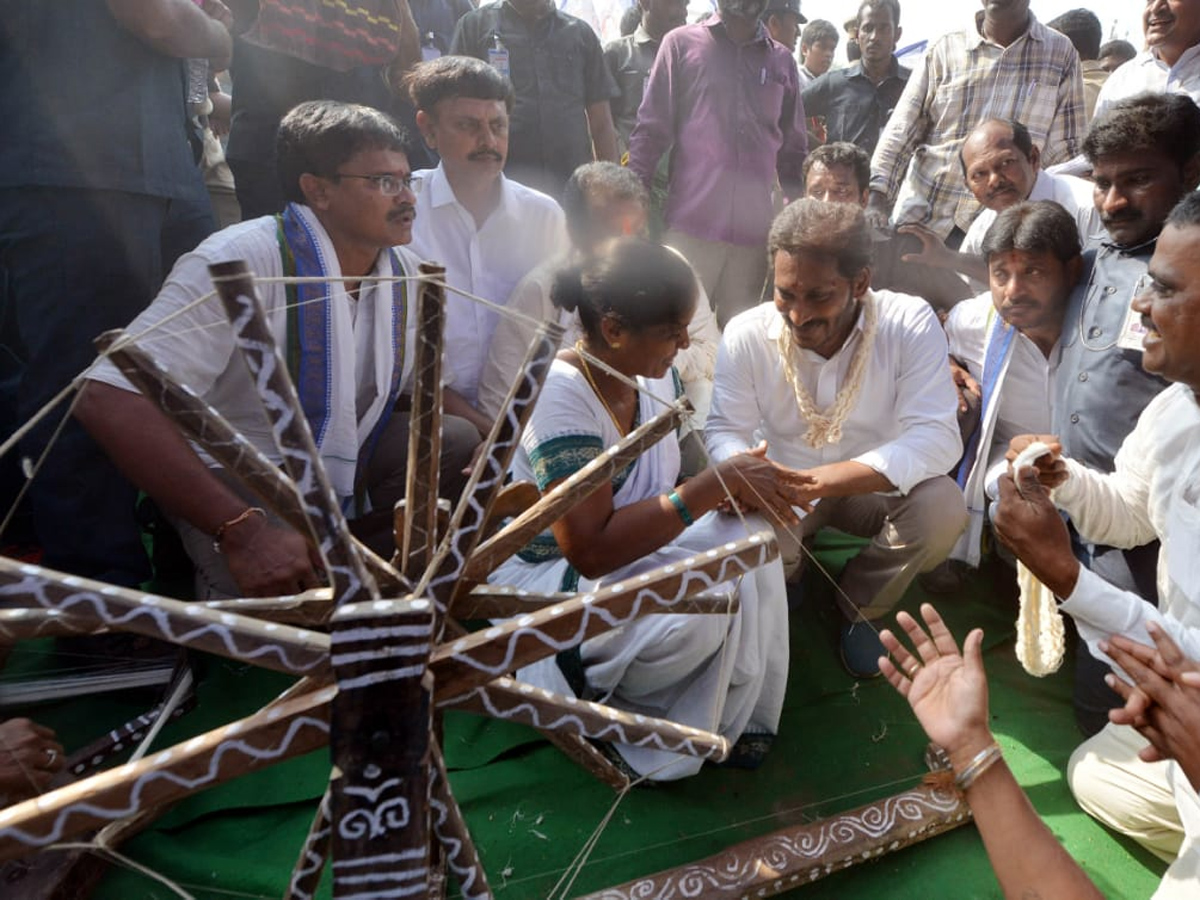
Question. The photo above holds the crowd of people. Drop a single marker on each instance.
(876, 286)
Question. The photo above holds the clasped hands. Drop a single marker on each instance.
(758, 484)
(1162, 698)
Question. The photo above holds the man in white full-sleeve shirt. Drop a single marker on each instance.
(487, 230)
(1153, 494)
(849, 386)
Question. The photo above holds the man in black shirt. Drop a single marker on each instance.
(629, 60)
(562, 118)
(857, 101)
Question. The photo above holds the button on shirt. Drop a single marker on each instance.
(855, 109)
(903, 425)
(1146, 72)
(732, 118)
(1094, 414)
(557, 70)
(526, 228)
(964, 79)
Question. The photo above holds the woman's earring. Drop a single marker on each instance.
(615, 346)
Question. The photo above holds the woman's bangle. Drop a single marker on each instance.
(980, 763)
(223, 528)
(680, 507)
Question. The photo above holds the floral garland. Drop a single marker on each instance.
(826, 427)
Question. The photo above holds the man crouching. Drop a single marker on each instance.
(346, 176)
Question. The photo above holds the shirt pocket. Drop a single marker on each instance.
(765, 100)
(1183, 525)
(566, 72)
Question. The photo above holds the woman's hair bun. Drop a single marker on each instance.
(567, 291)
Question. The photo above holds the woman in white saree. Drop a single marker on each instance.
(722, 672)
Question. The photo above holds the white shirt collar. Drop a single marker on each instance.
(442, 194)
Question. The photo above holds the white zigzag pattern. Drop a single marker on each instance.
(643, 598)
(161, 621)
(191, 784)
(684, 745)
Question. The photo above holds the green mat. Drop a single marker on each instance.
(532, 812)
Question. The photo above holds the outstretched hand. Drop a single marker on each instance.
(1162, 698)
(268, 560)
(946, 690)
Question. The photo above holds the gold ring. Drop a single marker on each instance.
(912, 672)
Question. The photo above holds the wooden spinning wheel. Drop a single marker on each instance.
(380, 651)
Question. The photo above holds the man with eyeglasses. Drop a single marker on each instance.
(349, 341)
(486, 229)
(1145, 156)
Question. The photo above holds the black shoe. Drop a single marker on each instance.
(950, 577)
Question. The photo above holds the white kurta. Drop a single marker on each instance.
(1146, 72)
(724, 673)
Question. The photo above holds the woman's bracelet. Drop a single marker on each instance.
(224, 527)
(980, 763)
(680, 507)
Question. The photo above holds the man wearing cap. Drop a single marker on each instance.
(856, 101)
(728, 135)
(783, 20)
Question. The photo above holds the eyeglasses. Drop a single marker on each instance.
(388, 185)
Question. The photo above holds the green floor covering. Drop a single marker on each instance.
(531, 811)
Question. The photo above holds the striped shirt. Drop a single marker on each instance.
(966, 78)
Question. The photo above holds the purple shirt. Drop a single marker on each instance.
(732, 118)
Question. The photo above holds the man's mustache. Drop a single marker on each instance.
(1117, 218)
(485, 154)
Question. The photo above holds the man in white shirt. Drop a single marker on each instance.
(347, 182)
(849, 386)
(1008, 341)
(1154, 493)
(486, 229)
(1170, 64)
(1001, 166)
